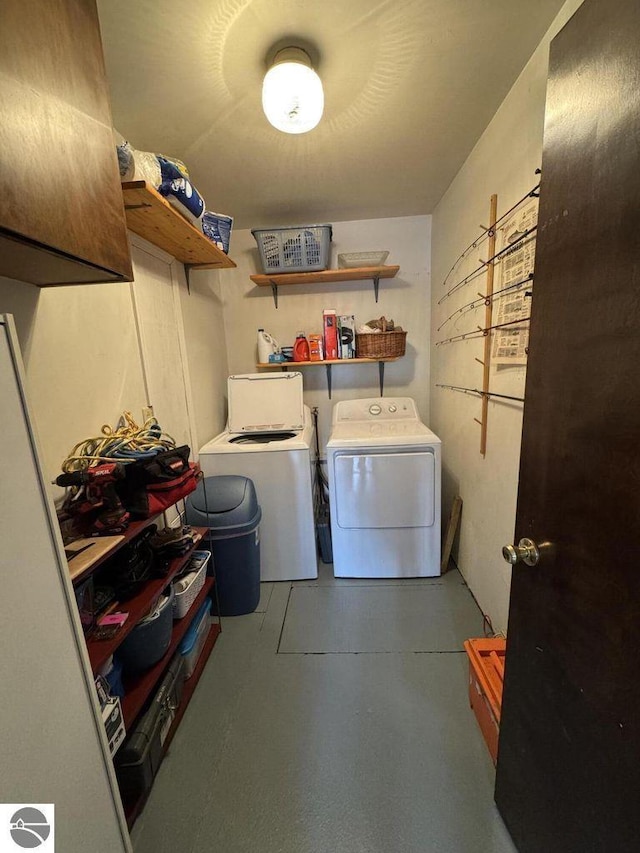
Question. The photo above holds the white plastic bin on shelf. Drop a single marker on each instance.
(187, 587)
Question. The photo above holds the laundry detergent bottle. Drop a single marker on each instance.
(266, 346)
(301, 348)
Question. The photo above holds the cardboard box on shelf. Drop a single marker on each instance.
(316, 349)
(330, 327)
(113, 723)
(347, 336)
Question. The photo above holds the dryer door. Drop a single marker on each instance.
(386, 489)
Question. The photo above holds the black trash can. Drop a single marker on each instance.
(228, 506)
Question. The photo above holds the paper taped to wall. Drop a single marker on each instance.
(510, 343)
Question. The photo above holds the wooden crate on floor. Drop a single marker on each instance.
(486, 674)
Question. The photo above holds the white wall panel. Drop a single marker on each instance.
(206, 348)
(159, 323)
(503, 162)
(81, 359)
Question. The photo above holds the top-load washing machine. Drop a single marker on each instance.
(268, 439)
(384, 490)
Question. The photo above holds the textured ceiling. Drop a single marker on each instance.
(409, 87)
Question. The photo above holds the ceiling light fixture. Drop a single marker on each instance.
(292, 95)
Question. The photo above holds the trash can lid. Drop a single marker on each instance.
(222, 494)
(227, 504)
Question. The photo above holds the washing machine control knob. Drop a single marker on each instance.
(375, 409)
(393, 409)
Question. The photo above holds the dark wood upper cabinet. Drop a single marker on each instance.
(61, 212)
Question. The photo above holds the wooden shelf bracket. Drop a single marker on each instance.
(488, 321)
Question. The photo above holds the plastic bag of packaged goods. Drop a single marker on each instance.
(217, 228)
(145, 165)
(138, 165)
(180, 192)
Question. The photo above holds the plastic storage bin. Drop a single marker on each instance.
(186, 589)
(228, 506)
(150, 639)
(193, 642)
(301, 248)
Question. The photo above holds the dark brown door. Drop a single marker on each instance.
(568, 777)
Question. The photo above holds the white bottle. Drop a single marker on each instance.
(266, 346)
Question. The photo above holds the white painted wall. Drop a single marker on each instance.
(85, 365)
(404, 299)
(81, 359)
(503, 162)
(206, 349)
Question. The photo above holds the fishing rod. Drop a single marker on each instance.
(480, 332)
(484, 299)
(479, 392)
(512, 247)
(490, 230)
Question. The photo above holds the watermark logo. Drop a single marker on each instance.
(26, 827)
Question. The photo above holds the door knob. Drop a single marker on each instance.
(526, 551)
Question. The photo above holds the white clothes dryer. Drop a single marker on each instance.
(384, 468)
(268, 439)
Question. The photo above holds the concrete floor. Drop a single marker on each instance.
(335, 719)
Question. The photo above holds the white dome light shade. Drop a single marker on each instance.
(292, 95)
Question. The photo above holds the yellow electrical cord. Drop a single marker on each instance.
(128, 437)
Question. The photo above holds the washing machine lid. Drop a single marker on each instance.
(382, 434)
(265, 402)
(224, 442)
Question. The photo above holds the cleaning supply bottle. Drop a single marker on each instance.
(266, 346)
(301, 348)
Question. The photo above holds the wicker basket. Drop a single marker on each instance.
(381, 344)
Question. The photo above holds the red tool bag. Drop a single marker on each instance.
(153, 485)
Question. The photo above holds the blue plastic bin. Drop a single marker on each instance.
(193, 641)
(228, 506)
(150, 639)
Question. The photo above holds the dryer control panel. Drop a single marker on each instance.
(376, 409)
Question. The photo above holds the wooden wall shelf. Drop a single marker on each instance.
(325, 277)
(152, 217)
(328, 364)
